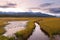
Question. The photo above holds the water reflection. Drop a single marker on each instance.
(13, 27)
(38, 34)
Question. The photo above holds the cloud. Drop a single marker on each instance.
(11, 4)
(5, 6)
(54, 10)
(46, 4)
(8, 5)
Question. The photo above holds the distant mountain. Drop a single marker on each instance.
(23, 14)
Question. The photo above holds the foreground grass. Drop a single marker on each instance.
(6, 38)
(3, 38)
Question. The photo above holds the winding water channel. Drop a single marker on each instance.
(15, 26)
(38, 34)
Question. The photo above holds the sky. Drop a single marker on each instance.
(49, 6)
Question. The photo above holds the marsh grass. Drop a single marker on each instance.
(11, 38)
(49, 25)
(3, 38)
(2, 25)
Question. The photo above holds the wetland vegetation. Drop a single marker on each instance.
(50, 25)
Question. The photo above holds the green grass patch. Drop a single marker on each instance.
(3, 38)
(11, 38)
(2, 30)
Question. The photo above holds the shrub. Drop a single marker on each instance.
(2, 30)
(12, 38)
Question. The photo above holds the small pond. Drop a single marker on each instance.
(13, 27)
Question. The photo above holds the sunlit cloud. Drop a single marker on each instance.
(12, 10)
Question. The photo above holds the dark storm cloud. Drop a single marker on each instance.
(8, 5)
(45, 4)
(54, 10)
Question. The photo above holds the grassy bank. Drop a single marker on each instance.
(3, 38)
(24, 34)
(2, 25)
(6, 38)
(51, 26)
